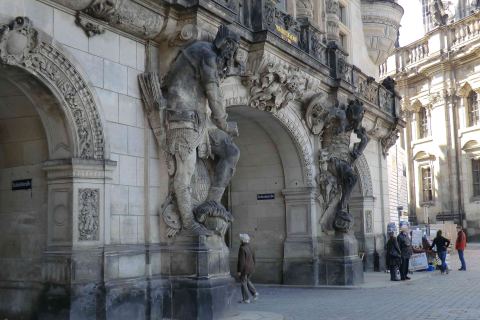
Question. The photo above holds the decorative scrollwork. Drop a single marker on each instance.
(23, 46)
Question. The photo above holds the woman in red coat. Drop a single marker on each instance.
(460, 245)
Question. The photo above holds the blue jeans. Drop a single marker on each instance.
(442, 255)
(462, 259)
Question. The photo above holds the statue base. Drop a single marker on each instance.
(340, 264)
(199, 273)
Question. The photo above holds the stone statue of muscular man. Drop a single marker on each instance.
(195, 123)
(339, 124)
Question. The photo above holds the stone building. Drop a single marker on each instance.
(88, 223)
(439, 80)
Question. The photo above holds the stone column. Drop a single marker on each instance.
(73, 267)
(333, 32)
(300, 264)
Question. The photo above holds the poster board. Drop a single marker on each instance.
(417, 238)
(418, 261)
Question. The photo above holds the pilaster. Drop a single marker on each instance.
(300, 264)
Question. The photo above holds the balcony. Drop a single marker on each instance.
(449, 41)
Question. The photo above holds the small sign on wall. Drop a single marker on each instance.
(265, 196)
(24, 184)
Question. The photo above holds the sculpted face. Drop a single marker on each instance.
(227, 56)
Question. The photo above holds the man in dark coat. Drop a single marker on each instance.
(393, 256)
(406, 249)
(245, 268)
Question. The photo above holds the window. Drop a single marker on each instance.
(343, 41)
(476, 177)
(473, 109)
(342, 14)
(423, 123)
(426, 15)
(427, 184)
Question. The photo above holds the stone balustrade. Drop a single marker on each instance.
(440, 40)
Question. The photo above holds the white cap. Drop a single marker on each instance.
(244, 237)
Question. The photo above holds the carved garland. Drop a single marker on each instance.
(23, 46)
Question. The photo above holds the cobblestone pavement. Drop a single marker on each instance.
(455, 296)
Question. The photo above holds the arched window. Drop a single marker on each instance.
(423, 123)
(476, 177)
(427, 184)
(473, 109)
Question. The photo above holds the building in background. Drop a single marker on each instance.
(84, 193)
(438, 77)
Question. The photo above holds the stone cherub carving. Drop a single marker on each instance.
(191, 126)
(337, 177)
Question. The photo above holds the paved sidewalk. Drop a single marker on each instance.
(428, 296)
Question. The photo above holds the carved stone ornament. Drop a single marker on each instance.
(91, 29)
(23, 46)
(316, 114)
(389, 141)
(88, 214)
(275, 86)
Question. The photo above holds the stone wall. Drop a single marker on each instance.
(124, 267)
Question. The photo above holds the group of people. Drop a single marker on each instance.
(400, 250)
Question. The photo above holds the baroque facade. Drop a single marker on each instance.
(123, 184)
(439, 80)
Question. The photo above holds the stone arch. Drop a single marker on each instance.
(365, 179)
(237, 95)
(424, 156)
(31, 50)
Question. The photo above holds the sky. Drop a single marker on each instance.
(412, 22)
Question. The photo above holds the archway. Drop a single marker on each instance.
(51, 166)
(23, 202)
(362, 208)
(269, 170)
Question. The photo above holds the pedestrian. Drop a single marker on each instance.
(406, 250)
(460, 245)
(246, 267)
(441, 244)
(394, 256)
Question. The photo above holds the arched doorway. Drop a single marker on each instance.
(53, 176)
(270, 199)
(362, 208)
(23, 201)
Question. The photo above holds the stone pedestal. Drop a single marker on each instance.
(340, 264)
(199, 272)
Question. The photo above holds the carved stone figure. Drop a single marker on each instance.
(438, 12)
(337, 177)
(88, 214)
(202, 154)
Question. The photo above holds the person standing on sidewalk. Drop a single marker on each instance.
(406, 250)
(246, 267)
(460, 245)
(393, 255)
(441, 244)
